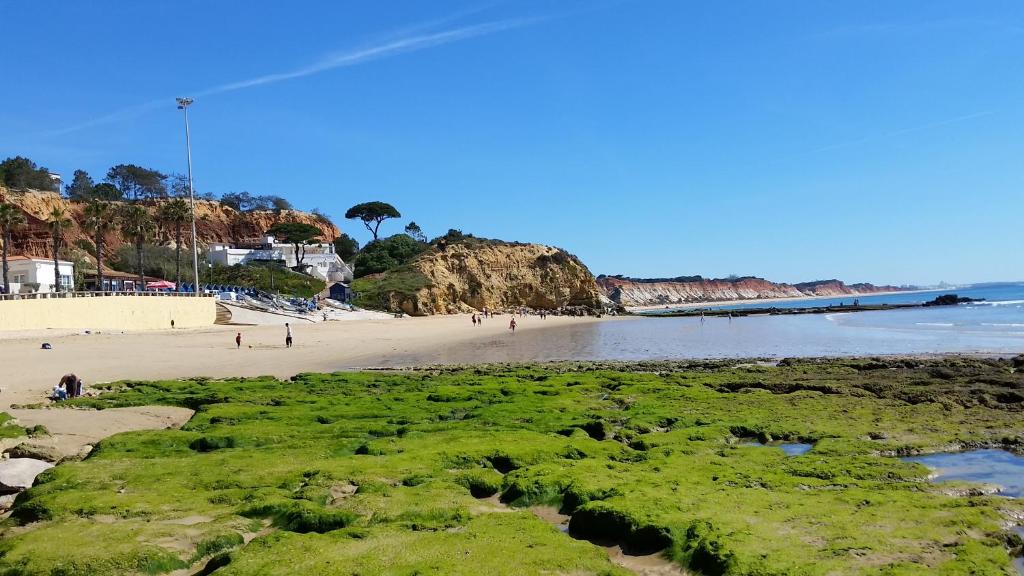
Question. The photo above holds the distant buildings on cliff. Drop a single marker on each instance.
(318, 260)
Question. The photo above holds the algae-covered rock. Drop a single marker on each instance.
(35, 451)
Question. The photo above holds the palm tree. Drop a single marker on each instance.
(137, 226)
(99, 219)
(175, 213)
(11, 219)
(58, 221)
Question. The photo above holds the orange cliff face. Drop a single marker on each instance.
(214, 223)
(634, 292)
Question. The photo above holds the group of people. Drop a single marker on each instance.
(478, 320)
(287, 335)
(70, 386)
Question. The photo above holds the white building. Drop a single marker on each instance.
(36, 275)
(320, 259)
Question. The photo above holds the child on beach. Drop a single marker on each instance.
(238, 340)
(474, 319)
(288, 335)
(512, 325)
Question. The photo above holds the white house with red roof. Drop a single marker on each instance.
(28, 274)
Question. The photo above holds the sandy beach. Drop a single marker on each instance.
(103, 357)
(31, 372)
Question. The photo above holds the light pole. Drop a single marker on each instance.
(183, 104)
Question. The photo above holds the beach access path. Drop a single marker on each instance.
(30, 372)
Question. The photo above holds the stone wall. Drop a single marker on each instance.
(107, 313)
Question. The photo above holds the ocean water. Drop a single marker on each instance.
(993, 327)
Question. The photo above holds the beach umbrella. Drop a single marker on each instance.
(160, 285)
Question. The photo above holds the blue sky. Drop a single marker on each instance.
(869, 140)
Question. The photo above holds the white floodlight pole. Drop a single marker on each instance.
(183, 104)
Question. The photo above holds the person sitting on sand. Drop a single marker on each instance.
(58, 393)
(512, 325)
(72, 385)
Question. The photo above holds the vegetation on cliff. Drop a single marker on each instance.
(95, 231)
(270, 278)
(388, 473)
(21, 173)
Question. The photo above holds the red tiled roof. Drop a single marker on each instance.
(21, 258)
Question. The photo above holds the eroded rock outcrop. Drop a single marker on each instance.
(471, 274)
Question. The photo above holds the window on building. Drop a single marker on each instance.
(65, 281)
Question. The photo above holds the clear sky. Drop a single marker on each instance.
(869, 140)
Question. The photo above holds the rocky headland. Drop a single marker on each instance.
(470, 274)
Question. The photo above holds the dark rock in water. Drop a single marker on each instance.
(951, 299)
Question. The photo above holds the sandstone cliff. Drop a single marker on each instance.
(471, 274)
(214, 223)
(634, 292)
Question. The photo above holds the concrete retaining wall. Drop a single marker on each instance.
(107, 313)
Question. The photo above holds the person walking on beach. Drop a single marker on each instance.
(474, 319)
(288, 335)
(238, 340)
(512, 325)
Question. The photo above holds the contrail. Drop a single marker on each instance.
(878, 137)
(903, 131)
(354, 57)
(343, 59)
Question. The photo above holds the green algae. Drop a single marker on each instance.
(388, 472)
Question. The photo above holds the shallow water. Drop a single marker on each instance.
(796, 448)
(790, 448)
(995, 327)
(982, 466)
(756, 336)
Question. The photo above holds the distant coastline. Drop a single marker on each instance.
(769, 301)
